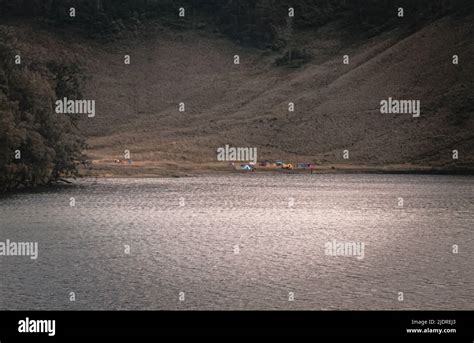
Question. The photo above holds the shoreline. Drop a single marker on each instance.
(148, 171)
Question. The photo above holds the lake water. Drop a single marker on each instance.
(244, 241)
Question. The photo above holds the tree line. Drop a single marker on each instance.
(37, 145)
(250, 21)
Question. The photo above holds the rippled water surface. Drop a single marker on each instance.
(242, 242)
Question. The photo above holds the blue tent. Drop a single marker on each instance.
(246, 167)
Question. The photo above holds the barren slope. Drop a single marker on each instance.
(337, 105)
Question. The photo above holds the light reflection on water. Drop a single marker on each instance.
(183, 232)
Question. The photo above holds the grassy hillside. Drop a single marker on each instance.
(336, 105)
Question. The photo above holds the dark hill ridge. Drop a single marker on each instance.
(337, 106)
